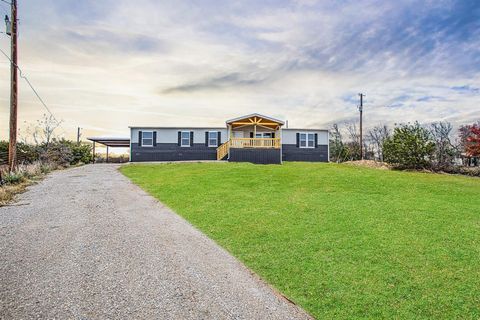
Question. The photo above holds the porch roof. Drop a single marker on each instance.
(255, 119)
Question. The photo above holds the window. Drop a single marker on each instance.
(147, 138)
(311, 140)
(185, 142)
(307, 140)
(212, 138)
(263, 135)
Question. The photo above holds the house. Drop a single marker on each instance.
(252, 138)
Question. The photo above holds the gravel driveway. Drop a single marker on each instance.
(85, 243)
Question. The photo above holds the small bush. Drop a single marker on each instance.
(13, 178)
(82, 153)
(468, 171)
(57, 152)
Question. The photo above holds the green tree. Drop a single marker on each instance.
(338, 150)
(410, 147)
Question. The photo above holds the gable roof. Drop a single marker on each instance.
(252, 115)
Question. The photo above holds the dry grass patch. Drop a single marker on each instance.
(370, 164)
(16, 182)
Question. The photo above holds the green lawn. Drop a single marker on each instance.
(341, 241)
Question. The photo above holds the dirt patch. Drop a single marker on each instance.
(370, 164)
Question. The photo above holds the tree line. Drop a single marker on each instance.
(434, 146)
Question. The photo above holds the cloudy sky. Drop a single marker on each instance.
(105, 65)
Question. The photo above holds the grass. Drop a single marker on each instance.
(8, 192)
(341, 241)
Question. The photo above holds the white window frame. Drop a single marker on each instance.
(263, 135)
(216, 139)
(143, 139)
(182, 138)
(307, 135)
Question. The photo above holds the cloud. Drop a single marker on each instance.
(216, 83)
(466, 89)
(110, 64)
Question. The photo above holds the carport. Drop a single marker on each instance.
(114, 142)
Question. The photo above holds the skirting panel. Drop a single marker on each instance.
(260, 156)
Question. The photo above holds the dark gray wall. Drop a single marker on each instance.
(291, 152)
(260, 156)
(173, 152)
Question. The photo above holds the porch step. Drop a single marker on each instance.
(223, 150)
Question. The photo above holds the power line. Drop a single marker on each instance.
(30, 85)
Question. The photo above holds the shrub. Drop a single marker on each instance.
(62, 152)
(13, 177)
(27, 153)
(58, 153)
(468, 171)
(66, 152)
(410, 147)
(82, 153)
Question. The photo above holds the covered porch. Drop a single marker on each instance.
(253, 131)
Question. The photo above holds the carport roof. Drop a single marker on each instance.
(112, 141)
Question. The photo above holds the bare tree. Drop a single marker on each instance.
(47, 125)
(42, 131)
(444, 149)
(353, 144)
(377, 136)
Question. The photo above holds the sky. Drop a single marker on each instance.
(106, 65)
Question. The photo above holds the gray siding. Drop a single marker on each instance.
(167, 148)
(172, 152)
(259, 156)
(289, 136)
(170, 135)
(290, 152)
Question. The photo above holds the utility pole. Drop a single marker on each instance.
(12, 147)
(360, 108)
(78, 135)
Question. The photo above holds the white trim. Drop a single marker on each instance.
(130, 147)
(189, 139)
(147, 145)
(216, 139)
(255, 115)
(280, 133)
(263, 133)
(306, 140)
(328, 146)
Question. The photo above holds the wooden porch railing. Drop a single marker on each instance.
(255, 143)
(265, 143)
(222, 151)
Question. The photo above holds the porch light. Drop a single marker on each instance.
(8, 26)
